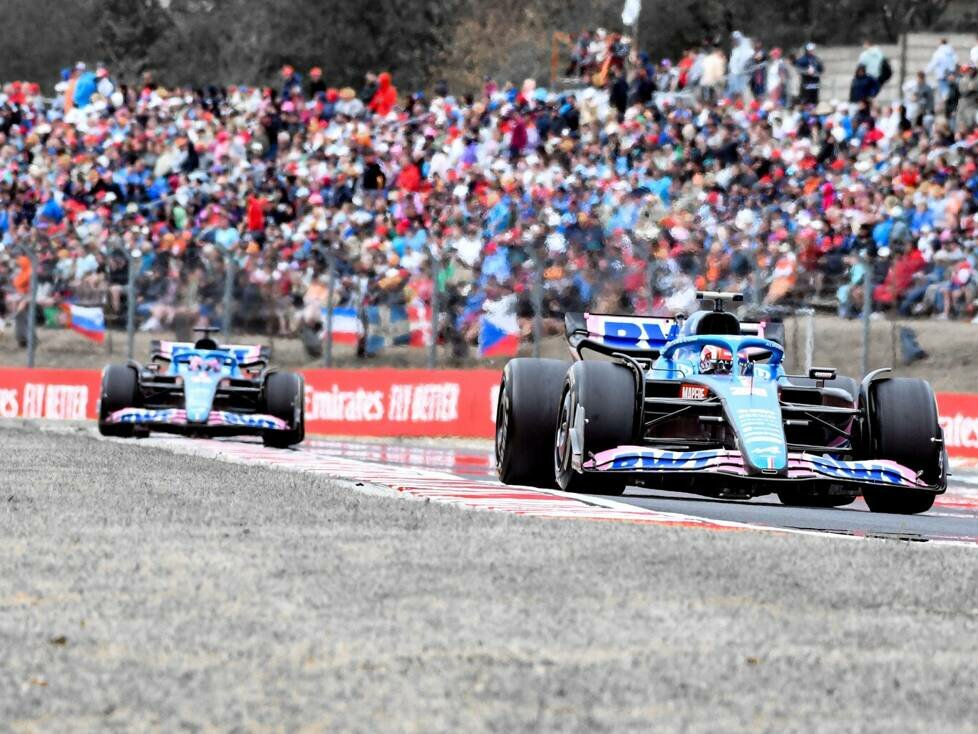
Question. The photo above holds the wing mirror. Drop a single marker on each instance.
(820, 375)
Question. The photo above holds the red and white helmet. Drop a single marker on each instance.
(715, 360)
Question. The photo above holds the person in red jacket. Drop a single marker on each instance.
(900, 276)
(385, 97)
(409, 179)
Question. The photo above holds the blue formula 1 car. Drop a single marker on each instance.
(703, 404)
(203, 389)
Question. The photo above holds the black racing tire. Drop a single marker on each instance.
(842, 382)
(606, 392)
(801, 498)
(526, 419)
(284, 397)
(904, 428)
(120, 389)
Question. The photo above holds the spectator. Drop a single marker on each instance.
(943, 61)
(740, 61)
(758, 71)
(921, 100)
(810, 68)
(776, 78)
(876, 64)
(967, 112)
(863, 86)
(386, 96)
(317, 85)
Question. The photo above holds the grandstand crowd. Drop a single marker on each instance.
(639, 183)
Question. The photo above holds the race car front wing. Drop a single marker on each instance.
(802, 466)
(216, 418)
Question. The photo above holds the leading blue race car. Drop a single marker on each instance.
(203, 389)
(703, 404)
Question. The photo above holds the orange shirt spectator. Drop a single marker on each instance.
(22, 279)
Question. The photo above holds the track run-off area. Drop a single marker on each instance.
(465, 476)
(218, 585)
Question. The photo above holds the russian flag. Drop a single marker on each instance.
(418, 316)
(499, 335)
(87, 321)
(347, 327)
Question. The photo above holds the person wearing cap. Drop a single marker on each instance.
(810, 70)
(103, 82)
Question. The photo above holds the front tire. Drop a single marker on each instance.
(285, 399)
(526, 418)
(606, 394)
(903, 423)
(120, 389)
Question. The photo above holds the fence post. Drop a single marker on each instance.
(330, 292)
(867, 307)
(133, 258)
(435, 272)
(229, 267)
(536, 248)
(809, 314)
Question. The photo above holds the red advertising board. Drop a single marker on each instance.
(392, 402)
(959, 419)
(55, 394)
(379, 402)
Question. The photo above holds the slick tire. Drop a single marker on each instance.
(606, 392)
(526, 419)
(120, 389)
(285, 398)
(904, 428)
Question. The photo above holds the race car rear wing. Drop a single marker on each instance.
(245, 354)
(643, 336)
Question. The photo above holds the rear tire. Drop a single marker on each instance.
(120, 389)
(902, 415)
(606, 393)
(526, 420)
(285, 399)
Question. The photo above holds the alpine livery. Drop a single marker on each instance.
(703, 404)
(203, 389)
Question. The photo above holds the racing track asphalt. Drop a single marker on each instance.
(145, 590)
(954, 516)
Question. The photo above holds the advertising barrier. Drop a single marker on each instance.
(379, 402)
(392, 402)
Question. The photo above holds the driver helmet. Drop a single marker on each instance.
(715, 361)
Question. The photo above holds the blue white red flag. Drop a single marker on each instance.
(499, 335)
(347, 326)
(419, 317)
(88, 321)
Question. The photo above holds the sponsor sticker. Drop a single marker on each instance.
(693, 392)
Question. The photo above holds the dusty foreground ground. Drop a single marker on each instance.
(952, 363)
(143, 590)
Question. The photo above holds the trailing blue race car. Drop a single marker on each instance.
(703, 404)
(203, 389)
